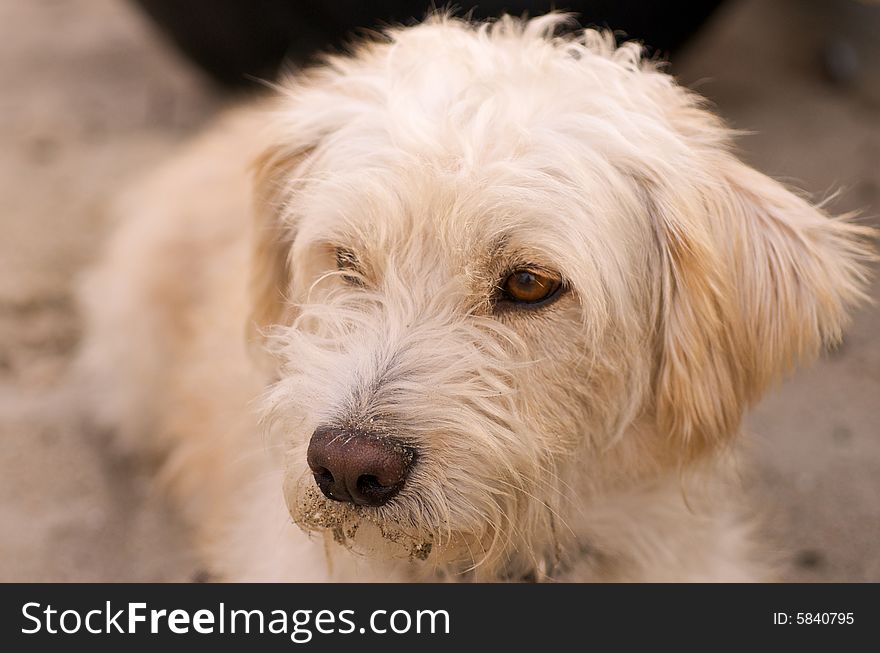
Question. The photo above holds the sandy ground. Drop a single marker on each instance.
(91, 96)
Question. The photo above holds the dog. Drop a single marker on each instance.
(488, 305)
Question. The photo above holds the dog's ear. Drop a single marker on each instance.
(270, 241)
(309, 107)
(755, 281)
(276, 173)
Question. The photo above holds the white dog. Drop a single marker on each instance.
(507, 294)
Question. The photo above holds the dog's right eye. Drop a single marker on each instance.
(347, 261)
(528, 286)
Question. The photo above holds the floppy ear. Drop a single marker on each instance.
(755, 281)
(309, 107)
(271, 239)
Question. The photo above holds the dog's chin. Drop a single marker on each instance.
(363, 530)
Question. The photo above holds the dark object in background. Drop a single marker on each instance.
(850, 53)
(237, 41)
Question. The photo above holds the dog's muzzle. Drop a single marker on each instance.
(358, 467)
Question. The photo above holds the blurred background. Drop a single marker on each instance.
(94, 92)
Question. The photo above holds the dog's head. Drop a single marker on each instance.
(499, 271)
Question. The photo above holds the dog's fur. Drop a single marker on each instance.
(583, 440)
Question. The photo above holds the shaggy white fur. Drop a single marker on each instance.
(583, 438)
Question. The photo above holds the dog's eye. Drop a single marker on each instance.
(347, 261)
(530, 287)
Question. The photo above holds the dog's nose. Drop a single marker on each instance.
(357, 467)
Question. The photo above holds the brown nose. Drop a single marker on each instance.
(357, 467)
